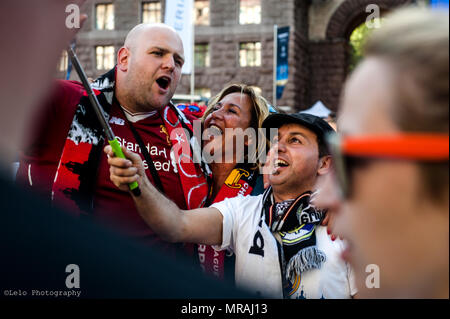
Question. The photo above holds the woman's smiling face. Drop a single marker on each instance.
(233, 111)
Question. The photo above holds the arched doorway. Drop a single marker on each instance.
(357, 13)
(329, 74)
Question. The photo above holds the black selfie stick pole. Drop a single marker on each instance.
(112, 140)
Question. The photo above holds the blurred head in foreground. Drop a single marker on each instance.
(389, 194)
(34, 34)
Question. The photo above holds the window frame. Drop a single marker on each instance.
(207, 61)
(239, 54)
(103, 60)
(239, 14)
(141, 10)
(209, 13)
(96, 5)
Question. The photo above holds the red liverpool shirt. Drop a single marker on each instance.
(112, 207)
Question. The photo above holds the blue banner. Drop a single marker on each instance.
(282, 59)
(440, 4)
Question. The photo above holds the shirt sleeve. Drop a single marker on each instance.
(351, 280)
(230, 209)
(45, 137)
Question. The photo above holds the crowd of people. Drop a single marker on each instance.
(298, 214)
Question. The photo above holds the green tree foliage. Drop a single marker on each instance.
(357, 39)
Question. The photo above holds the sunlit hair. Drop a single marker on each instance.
(415, 44)
(260, 110)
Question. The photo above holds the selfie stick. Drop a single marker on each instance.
(112, 140)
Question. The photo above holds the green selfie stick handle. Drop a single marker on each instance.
(134, 187)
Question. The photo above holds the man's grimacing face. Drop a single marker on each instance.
(296, 155)
(382, 220)
(155, 60)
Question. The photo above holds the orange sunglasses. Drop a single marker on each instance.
(348, 151)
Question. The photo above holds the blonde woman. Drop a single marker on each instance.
(232, 147)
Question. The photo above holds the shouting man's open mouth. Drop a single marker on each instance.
(164, 83)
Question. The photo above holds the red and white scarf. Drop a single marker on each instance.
(76, 174)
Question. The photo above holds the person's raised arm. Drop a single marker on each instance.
(203, 225)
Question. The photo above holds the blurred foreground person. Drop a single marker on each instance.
(46, 253)
(390, 191)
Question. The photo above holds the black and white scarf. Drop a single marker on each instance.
(295, 222)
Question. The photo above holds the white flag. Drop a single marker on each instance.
(179, 16)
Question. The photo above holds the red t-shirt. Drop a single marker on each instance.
(112, 207)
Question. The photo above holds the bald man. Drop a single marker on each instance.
(45, 253)
(64, 162)
(151, 53)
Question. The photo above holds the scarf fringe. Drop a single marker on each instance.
(305, 259)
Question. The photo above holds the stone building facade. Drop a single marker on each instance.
(318, 51)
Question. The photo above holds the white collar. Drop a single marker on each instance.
(139, 116)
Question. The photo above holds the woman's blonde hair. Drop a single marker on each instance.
(260, 110)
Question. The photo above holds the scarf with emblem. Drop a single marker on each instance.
(294, 222)
(75, 178)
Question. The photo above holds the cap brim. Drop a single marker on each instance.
(279, 119)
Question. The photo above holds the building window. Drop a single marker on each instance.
(250, 12)
(104, 16)
(201, 12)
(104, 57)
(151, 12)
(63, 61)
(250, 54)
(202, 55)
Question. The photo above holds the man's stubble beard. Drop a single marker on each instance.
(294, 186)
(141, 97)
(148, 101)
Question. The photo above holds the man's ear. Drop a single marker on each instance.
(324, 165)
(123, 58)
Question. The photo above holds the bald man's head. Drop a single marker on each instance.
(149, 67)
(138, 33)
